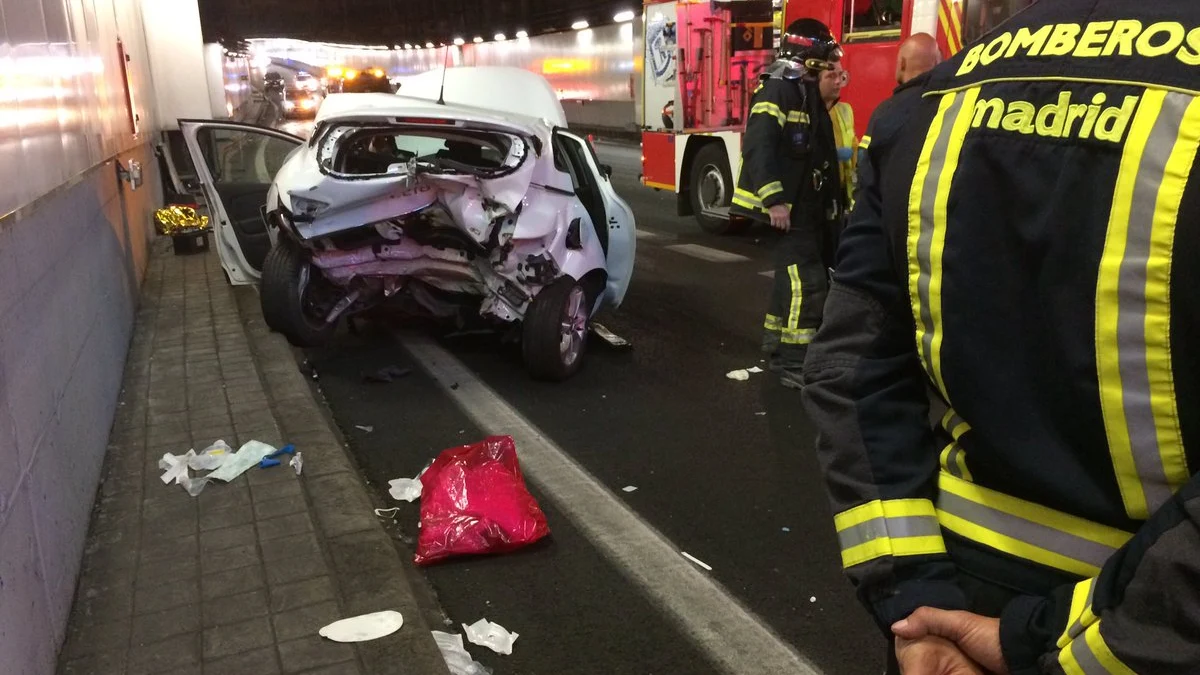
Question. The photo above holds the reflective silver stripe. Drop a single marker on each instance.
(1131, 318)
(952, 460)
(889, 528)
(929, 197)
(1027, 531)
(1084, 657)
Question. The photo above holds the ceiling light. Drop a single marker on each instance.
(579, 25)
(429, 45)
(499, 37)
(397, 47)
(407, 45)
(477, 39)
(622, 17)
(459, 41)
(521, 35)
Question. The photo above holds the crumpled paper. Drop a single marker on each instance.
(491, 635)
(405, 489)
(363, 628)
(458, 660)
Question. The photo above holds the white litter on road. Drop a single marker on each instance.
(813, 599)
(787, 529)
(760, 414)
(458, 660)
(405, 489)
(491, 635)
(739, 375)
(364, 428)
(382, 513)
(364, 628)
(297, 463)
(754, 371)
(629, 488)
(696, 560)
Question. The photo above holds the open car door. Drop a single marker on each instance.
(236, 164)
(611, 215)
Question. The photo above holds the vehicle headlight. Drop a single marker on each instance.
(289, 105)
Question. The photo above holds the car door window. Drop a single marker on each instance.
(243, 155)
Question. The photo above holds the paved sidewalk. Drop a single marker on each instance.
(240, 579)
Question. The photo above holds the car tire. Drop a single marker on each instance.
(555, 330)
(285, 277)
(711, 181)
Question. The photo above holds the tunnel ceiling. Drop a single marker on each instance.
(397, 21)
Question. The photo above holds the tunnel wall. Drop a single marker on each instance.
(73, 249)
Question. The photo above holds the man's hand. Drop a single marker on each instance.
(977, 636)
(933, 656)
(781, 217)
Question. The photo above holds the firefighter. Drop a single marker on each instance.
(1022, 267)
(789, 179)
(842, 114)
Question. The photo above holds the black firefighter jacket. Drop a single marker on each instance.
(789, 155)
(1022, 269)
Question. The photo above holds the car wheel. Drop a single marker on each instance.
(711, 187)
(554, 334)
(286, 282)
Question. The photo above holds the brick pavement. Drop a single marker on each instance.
(240, 579)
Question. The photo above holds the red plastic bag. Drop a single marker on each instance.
(474, 500)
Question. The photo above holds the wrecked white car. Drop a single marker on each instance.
(467, 197)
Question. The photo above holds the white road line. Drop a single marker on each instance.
(708, 254)
(770, 274)
(730, 634)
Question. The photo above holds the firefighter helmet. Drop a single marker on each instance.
(809, 46)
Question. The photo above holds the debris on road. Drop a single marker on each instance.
(760, 414)
(696, 560)
(739, 375)
(393, 511)
(491, 635)
(387, 375)
(813, 599)
(787, 529)
(754, 371)
(297, 463)
(405, 489)
(272, 460)
(364, 428)
(458, 660)
(474, 501)
(610, 337)
(218, 458)
(363, 628)
(629, 488)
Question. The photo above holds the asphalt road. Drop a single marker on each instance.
(724, 470)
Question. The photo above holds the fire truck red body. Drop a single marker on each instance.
(701, 61)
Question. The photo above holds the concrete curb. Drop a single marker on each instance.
(372, 569)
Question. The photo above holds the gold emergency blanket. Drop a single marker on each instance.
(175, 220)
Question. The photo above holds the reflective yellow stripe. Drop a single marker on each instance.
(897, 527)
(797, 297)
(746, 199)
(770, 189)
(1133, 322)
(797, 337)
(1025, 529)
(768, 108)
(773, 323)
(954, 461)
(927, 213)
(864, 143)
(1091, 656)
(798, 117)
(1080, 616)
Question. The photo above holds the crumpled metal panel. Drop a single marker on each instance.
(62, 93)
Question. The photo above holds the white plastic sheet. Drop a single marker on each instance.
(405, 489)
(491, 635)
(458, 660)
(247, 457)
(363, 628)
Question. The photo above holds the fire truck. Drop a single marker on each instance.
(702, 59)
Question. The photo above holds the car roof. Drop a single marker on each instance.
(511, 93)
(378, 106)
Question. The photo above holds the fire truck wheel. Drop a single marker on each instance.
(711, 189)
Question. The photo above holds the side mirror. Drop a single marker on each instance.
(607, 170)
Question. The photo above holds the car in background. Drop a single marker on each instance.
(307, 82)
(368, 81)
(300, 103)
(465, 200)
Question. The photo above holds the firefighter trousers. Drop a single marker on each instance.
(798, 298)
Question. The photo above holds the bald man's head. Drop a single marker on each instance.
(918, 54)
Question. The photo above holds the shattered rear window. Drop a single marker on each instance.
(358, 151)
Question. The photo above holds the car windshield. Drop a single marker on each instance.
(357, 151)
